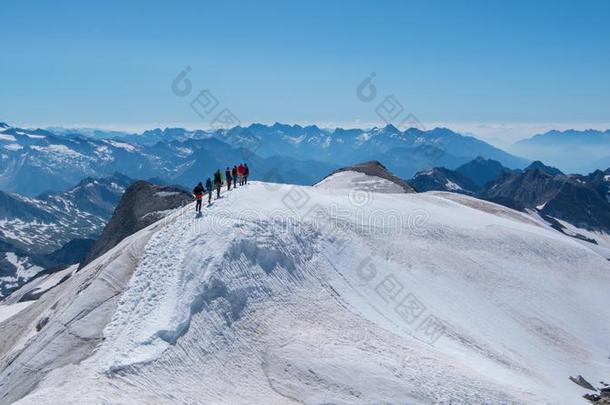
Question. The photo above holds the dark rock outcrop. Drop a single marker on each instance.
(602, 394)
(580, 380)
(529, 189)
(600, 180)
(569, 198)
(583, 201)
(142, 204)
(547, 169)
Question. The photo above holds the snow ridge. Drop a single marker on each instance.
(168, 289)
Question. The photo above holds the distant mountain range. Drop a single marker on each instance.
(572, 151)
(404, 152)
(53, 229)
(32, 161)
(45, 223)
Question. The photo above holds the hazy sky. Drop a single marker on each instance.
(518, 65)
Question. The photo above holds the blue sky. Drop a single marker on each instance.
(112, 63)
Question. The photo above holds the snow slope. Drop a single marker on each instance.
(351, 180)
(8, 310)
(286, 294)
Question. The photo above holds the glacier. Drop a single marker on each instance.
(325, 294)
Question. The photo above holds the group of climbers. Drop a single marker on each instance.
(232, 176)
(237, 174)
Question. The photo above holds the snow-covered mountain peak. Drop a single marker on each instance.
(367, 177)
(282, 294)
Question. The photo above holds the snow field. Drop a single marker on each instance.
(266, 298)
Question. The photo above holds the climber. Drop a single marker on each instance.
(240, 174)
(229, 178)
(217, 182)
(208, 188)
(198, 193)
(234, 175)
